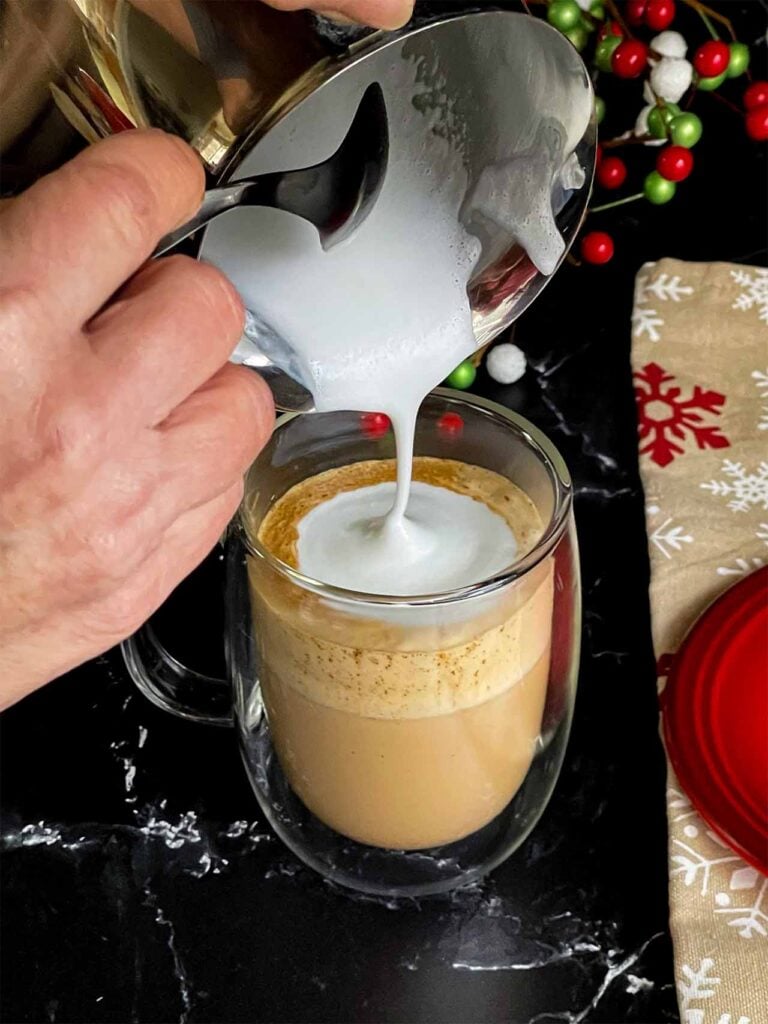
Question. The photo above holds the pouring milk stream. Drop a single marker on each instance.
(376, 322)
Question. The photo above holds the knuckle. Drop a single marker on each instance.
(26, 325)
(127, 198)
(213, 291)
(207, 297)
(111, 553)
(73, 435)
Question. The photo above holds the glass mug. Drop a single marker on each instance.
(399, 747)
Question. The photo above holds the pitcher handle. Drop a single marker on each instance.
(172, 685)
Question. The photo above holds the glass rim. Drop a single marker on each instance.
(563, 501)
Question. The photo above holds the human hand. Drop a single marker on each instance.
(125, 433)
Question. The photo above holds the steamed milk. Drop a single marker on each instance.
(394, 737)
(377, 321)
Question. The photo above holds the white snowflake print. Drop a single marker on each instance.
(696, 985)
(646, 321)
(666, 537)
(752, 920)
(682, 806)
(761, 383)
(740, 567)
(663, 287)
(755, 293)
(693, 865)
(743, 488)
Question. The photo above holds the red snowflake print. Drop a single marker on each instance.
(665, 418)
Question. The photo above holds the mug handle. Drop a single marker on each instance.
(172, 685)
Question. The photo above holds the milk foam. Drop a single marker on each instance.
(444, 541)
(377, 321)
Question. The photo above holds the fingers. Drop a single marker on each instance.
(172, 327)
(376, 13)
(60, 642)
(215, 435)
(75, 236)
(183, 547)
(200, 452)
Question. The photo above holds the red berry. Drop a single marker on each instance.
(629, 58)
(659, 14)
(757, 123)
(611, 172)
(711, 59)
(374, 424)
(597, 247)
(756, 95)
(450, 423)
(599, 154)
(674, 163)
(609, 28)
(635, 11)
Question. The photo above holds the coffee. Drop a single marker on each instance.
(397, 726)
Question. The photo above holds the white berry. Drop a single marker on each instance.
(641, 126)
(671, 77)
(585, 4)
(505, 363)
(669, 44)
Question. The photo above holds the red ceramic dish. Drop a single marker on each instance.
(715, 709)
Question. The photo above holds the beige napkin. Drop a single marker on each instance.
(700, 361)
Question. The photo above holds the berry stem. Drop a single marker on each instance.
(726, 103)
(616, 202)
(633, 140)
(616, 15)
(710, 27)
(699, 7)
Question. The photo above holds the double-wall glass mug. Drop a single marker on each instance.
(398, 746)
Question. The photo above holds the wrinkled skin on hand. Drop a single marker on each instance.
(125, 432)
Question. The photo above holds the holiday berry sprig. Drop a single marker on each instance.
(670, 83)
(609, 38)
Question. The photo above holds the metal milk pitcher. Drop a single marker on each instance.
(254, 90)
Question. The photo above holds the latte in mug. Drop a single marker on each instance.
(403, 727)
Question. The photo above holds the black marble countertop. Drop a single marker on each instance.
(140, 881)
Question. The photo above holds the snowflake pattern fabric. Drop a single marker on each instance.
(666, 418)
(742, 488)
(754, 294)
(761, 383)
(698, 354)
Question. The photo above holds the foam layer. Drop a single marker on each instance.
(377, 667)
(444, 541)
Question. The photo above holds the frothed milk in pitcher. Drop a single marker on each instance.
(377, 321)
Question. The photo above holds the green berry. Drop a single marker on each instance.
(739, 61)
(599, 109)
(658, 190)
(685, 130)
(462, 377)
(710, 84)
(564, 14)
(604, 51)
(659, 119)
(578, 36)
(597, 10)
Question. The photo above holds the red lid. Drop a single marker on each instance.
(715, 708)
